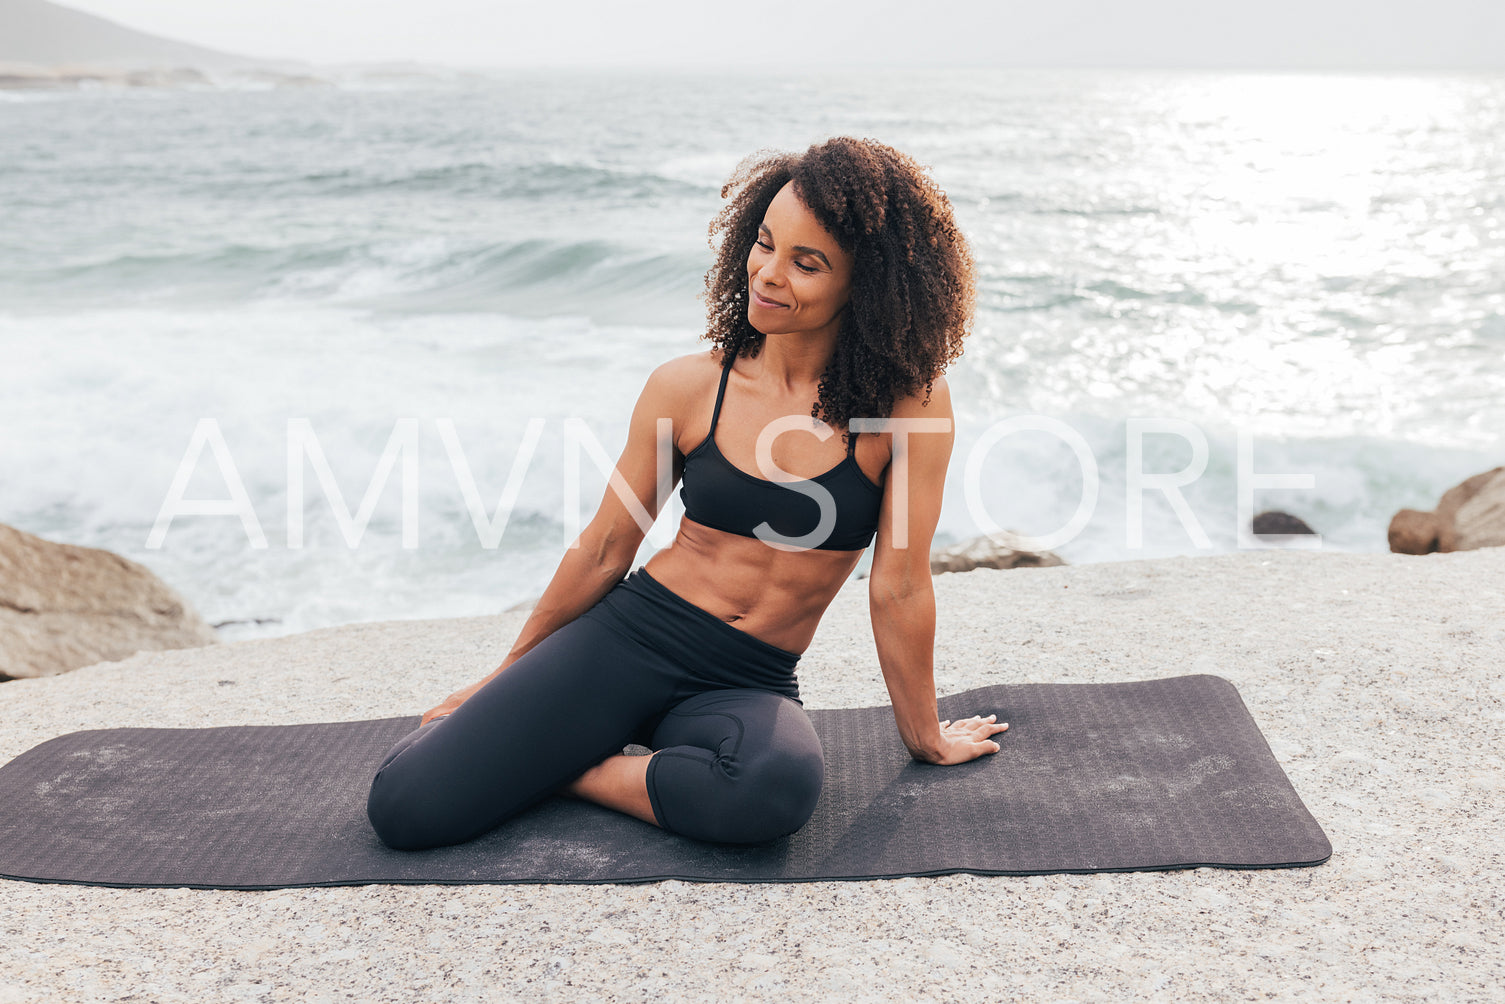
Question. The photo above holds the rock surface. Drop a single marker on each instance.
(63, 607)
(1274, 523)
(1480, 521)
(1000, 550)
(1413, 531)
(1378, 679)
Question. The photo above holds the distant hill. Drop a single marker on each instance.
(41, 34)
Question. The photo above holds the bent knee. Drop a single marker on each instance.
(763, 798)
(395, 805)
(394, 817)
(409, 815)
(787, 787)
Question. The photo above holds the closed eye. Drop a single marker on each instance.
(763, 243)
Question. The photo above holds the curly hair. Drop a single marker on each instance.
(912, 276)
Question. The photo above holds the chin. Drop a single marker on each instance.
(761, 329)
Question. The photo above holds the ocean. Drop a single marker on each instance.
(482, 270)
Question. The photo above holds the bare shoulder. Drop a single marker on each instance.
(683, 377)
(681, 389)
(937, 404)
(690, 366)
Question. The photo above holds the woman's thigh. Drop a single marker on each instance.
(575, 698)
(740, 766)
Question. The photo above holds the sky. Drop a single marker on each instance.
(814, 34)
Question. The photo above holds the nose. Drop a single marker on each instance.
(771, 273)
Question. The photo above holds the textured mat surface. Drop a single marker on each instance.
(1092, 777)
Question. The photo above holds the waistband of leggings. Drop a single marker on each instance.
(640, 582)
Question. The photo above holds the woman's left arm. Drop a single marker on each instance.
(901, 599)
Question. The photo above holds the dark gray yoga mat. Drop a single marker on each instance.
(1092, 777)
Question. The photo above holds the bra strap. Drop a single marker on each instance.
(726, 369)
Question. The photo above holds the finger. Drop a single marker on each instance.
(983, 747)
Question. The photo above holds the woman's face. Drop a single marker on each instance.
(798, 277)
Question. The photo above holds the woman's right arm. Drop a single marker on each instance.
(605, 549)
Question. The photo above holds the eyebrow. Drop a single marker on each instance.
(800, 248)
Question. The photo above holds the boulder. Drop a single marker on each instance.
(1274, 523)
(1415, 532)
(999, 550)
(1480, 521)
(63, 607)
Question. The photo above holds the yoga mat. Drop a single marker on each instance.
(1159, 774)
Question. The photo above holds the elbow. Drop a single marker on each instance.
(612, 569)
(611, 554)
(615, 563)
(899, 591)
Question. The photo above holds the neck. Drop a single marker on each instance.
(796, 361)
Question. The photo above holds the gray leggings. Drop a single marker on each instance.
(736, 759)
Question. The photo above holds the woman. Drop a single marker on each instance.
(841, 289)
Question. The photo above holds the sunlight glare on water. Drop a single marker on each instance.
(1290, 250)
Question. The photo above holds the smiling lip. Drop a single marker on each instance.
(764, 301)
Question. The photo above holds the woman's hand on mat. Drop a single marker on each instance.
(459, 697)
(967, 739)
(450, 703)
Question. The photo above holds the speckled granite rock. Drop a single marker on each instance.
(1378, 679)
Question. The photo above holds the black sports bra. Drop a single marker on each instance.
(720, 495)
